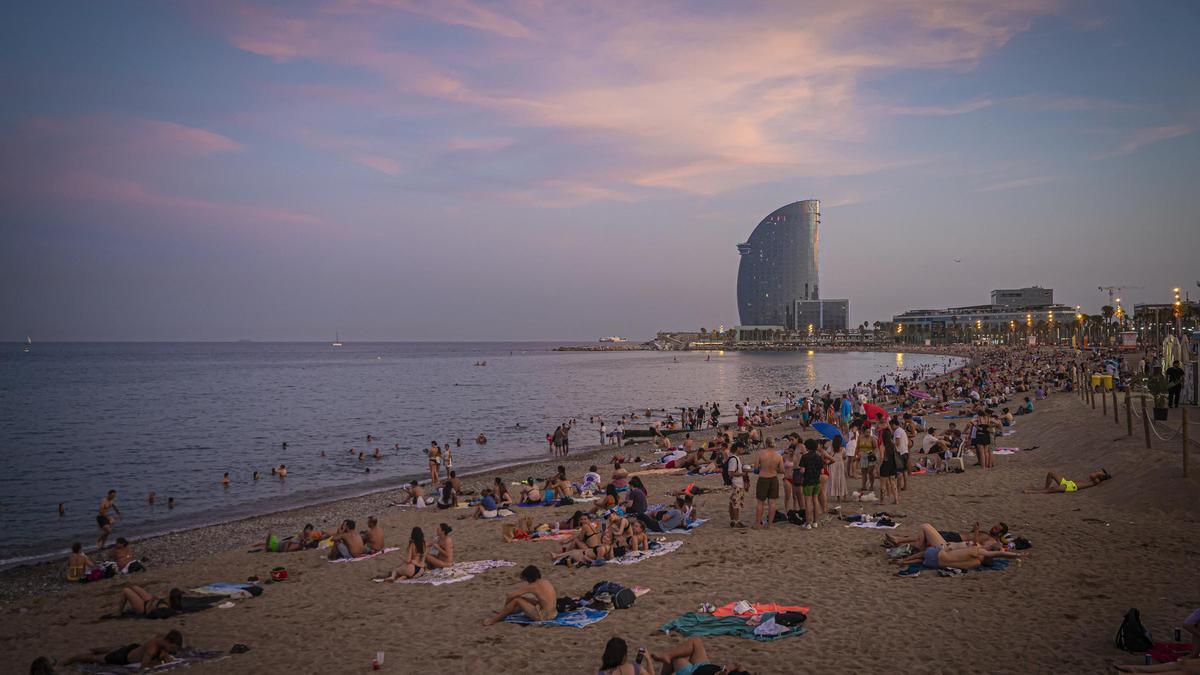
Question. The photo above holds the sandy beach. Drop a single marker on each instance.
(1095, 554)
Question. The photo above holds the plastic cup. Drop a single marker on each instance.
(379, 658)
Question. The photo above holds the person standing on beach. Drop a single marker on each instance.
(1174, 384)
(900, 437)
(108, 502)
(810, 465)
(448, 458)
(766, 490)
(620, 437)
(603, 432)
(435, 461)
(734, 476)
(566, 439)
(556, 441)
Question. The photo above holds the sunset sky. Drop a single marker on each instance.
(401, 169)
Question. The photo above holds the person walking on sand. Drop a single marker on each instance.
(1174, 384)
(435, 461)
(901, 439)
(536, 598)
(867, 458)
(767, 465)
(108, 502)
(836, 487)
(735, 477)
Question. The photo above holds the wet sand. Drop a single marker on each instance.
(1128, 543)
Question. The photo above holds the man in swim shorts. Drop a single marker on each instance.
(102, 519)
(347, 543)
(536, 599)
(156, 650)
(768, 464)
(1058, 483)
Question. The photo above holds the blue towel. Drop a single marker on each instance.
(580, 618)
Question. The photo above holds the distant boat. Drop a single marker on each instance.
(337, 340)
(613, 338)
(28, 344)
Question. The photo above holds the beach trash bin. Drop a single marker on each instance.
(1108, 382)
(1096, 380)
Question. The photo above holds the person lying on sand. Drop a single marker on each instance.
(991, 540)
(154, 651)
(1057, 483)
(140, 601)
(414, 565)
(935, 552)
(347, 543)
(686, 658)
(441, 554)
(536, 598)
(373, 535)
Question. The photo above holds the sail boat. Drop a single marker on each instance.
(337, 340)
(28, 344)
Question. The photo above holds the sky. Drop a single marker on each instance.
(457, 170)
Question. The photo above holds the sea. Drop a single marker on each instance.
(78, 419)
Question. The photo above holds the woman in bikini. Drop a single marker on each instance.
(638, 539)
(503, 498)
(139, 600)
(441, 553)
(415, 565)
(935, 553)
(435, 461)
(531, 494)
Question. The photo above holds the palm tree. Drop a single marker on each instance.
(1108, 311)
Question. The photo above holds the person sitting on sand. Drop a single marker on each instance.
(638, 539)
(414, 495)
(154, 651)
(536, 598)
(500, 492)
(447, 496)
(560, 484)
(347, 542)
(373, 535)
(934, 552)
(487, 506)
(78, 564)
(441, 553)
(1057, 483)
(591, 480)
(531, 493)
(414, 565)
(309, 537)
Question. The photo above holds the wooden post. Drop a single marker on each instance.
(1145, 421)
(1104, 402)
(1128, 414)
(1116, 420)
(1092, 394)
(1183, 409)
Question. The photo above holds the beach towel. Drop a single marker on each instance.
(1169, 652)
(457, 572)
(687, 529)
(502, 513)
(638, 556)
(224, 588)
(874, 526)
(1005, 451)
(185, 657)
(367, 556)
(562, 535)
(758, 608)
(705, 625)
(651, 472)
(574, 500)
(580, 618)
(916, 568)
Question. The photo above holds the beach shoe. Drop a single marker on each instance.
(950, 572)
(910, 571)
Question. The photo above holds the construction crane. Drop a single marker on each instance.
(1113, 290)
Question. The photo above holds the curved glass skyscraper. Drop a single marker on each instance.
(779, 265)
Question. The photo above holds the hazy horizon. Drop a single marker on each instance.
(404, 170)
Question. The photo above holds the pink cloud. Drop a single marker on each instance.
(128, 134)
(696, 99)
(92, 187)
(940, 111)
(1140, 138)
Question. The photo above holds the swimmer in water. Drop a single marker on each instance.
(62, 510)
(150, 498)
(377, 454)
(282, 471)
(225, 480)
(170, 502)
(322, 453)
(255, 475)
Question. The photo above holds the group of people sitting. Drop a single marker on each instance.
(421, 557)
(347, 541)
(82, 568)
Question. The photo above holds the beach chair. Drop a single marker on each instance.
(957, 455)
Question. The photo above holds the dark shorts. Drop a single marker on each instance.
(951, 537)
(887, 469)
(903, 462)
(120, 657)
(797, 476)
(102, 521)
(767, 488)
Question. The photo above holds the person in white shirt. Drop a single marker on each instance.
(603, 432)
(901, 438)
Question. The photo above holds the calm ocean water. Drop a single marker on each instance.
(77, 419)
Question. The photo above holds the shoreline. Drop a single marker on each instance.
(43, 573)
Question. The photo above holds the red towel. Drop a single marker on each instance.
(1169, 652)
(759, 608)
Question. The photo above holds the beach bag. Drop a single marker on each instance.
(624, 598)
(1132, 636)
(796, 517)
(790, 619)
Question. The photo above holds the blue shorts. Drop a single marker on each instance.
(931, 557)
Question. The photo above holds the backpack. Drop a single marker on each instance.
(1132, 636)
(624, 598)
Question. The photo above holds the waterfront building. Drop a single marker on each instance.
(1002, 321)
(778, 267)
(1032, 296)
(821, 315)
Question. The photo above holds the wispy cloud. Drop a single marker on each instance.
(958, 109)
(1073, 103)
(1018, 183)
(699, 99)
(130, 134)
(1140, 138)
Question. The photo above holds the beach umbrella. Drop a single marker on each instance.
(892, 388)
(874, 412)
(827, 430)
(919, 394)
